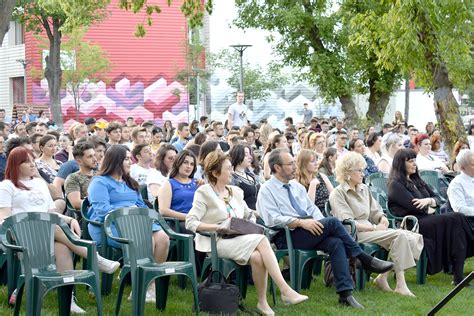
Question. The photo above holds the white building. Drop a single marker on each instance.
(12, 54)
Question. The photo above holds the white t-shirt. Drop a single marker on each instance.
(140, 174)
(239, 114)
(36, 199)
(429, 163)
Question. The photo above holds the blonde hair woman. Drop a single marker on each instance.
(306, 142)
(265, 131)
(352, 200)
(317, 184)
(317, 142)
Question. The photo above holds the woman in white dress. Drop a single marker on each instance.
(214, 203)
(394, 143)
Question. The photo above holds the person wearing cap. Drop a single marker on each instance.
(99, 129)
(90, 122)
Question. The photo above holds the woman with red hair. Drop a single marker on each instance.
(22, 192)
(424, 160)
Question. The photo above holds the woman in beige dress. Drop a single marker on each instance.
(214, 203)
(352, 200)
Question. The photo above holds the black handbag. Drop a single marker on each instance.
(216, 296)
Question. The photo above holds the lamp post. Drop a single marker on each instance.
(24, 63)
(240, 48)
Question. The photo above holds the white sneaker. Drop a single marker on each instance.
(75, 309)
(150, 295)
(106, 265)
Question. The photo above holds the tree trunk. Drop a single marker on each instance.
(446, 108)
(53, 73)
(349, 109)
(6, 10)
(378, 102)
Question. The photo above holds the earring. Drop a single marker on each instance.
(348, 178)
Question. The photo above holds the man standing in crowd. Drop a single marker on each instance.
(461, 188)
(19, 131)
(203, 123)
(90, 122)
(42, 128)
(340, 145)
(138, 136)
(35, 138)
(76, 184)
(114, 133)
(140, 170)
(29, 116)
(183, 134)
(307, 114)
(288, 122)
(237, 115)
(284, 201)
(4, 118)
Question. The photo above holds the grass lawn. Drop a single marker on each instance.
(323, 301)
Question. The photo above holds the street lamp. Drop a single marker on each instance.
(24, 63)
(240, 48)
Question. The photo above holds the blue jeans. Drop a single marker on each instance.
(335, 241)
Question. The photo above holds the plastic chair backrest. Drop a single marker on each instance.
(85, 208)
(431, 178)
(333, 181)
(35, 233)
(379, 196)
(134, 224)
(378, 180)
(144, 191)
(327, 210)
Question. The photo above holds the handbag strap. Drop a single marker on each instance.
(415, 227)
(221, 279)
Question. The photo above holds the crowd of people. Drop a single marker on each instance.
(207, 171)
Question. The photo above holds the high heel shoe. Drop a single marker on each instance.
(268, 312)
(292, 301)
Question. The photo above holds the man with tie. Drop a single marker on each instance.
(283, 201)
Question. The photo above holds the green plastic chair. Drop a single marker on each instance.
(176, 249)
(395, 221)
(378, 180)
(225, 266)
(134, 226)
(9, 263)
(333, 181)
(33, 236)
(105, 250)
(435, 180)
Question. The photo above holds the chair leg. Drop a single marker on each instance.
(34, 297)
(19, 296)
(64, 299)
(161, 288)
(195, 294)
(119, 296)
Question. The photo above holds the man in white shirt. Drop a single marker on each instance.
(140, 170)
(237, 115)
(461, 189)
(340, 145)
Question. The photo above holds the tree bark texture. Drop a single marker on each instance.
(378, 102)
(349, 109)
(6, 10)
(446, 108)
(53, 72)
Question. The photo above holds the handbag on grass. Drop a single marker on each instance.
(216, 296)
(234, 226)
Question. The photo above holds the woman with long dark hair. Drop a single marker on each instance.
(48, 166)
(277, 141)
(176, 194)
(447, 237)
(206, 148)
(113, 188)
(243, 177)
(328, 164)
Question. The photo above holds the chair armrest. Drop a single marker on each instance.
(352, 224)
(11, 246)
(74, 239)
(170, 232)
(173, 220)
(108, 233)
(88, 220)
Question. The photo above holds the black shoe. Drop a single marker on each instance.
(350, 301)
(377, 266)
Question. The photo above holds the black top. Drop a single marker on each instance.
(322, 194)
(249, 185)
(401, 195)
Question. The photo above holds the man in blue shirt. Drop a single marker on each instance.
(183, 133)
(3, 158)
(284, 202)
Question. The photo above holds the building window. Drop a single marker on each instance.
(16, 34)
(18, 90)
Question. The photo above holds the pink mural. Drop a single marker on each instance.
(158, 102)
